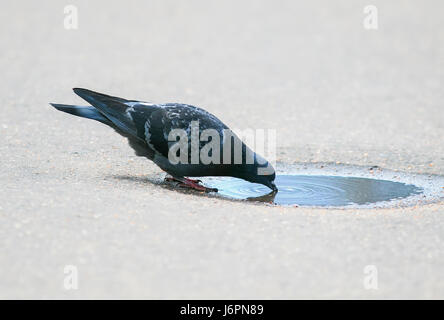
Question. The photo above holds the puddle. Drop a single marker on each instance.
(336, 186)
(322, 191)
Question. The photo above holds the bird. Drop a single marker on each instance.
(147, 126)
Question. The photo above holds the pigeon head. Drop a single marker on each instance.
(260, 172)
(266, 180)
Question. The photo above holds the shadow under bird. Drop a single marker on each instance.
(147, 127)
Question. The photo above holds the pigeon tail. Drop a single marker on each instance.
(83, 112)
(96, 96)
(113, 108)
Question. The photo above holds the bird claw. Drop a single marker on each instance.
(172, 179)
(191, 183)
(195, 180)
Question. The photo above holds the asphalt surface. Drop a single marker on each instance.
(73, 193)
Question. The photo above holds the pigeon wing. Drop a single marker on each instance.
(157, 121)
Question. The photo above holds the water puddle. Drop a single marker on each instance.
(317, 190)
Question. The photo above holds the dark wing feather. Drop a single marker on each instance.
(157, 121)
(114, 108)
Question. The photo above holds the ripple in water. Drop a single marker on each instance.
(307, 190)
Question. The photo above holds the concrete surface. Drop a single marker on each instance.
(73, 193)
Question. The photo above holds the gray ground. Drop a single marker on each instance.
(73, 193)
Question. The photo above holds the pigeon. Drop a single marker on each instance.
(148, 126)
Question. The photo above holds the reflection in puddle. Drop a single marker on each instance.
(308, 190)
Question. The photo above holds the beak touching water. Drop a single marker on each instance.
(273, 186)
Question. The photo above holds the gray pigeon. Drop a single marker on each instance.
(147, 127)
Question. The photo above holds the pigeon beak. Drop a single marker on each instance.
(273, 187)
